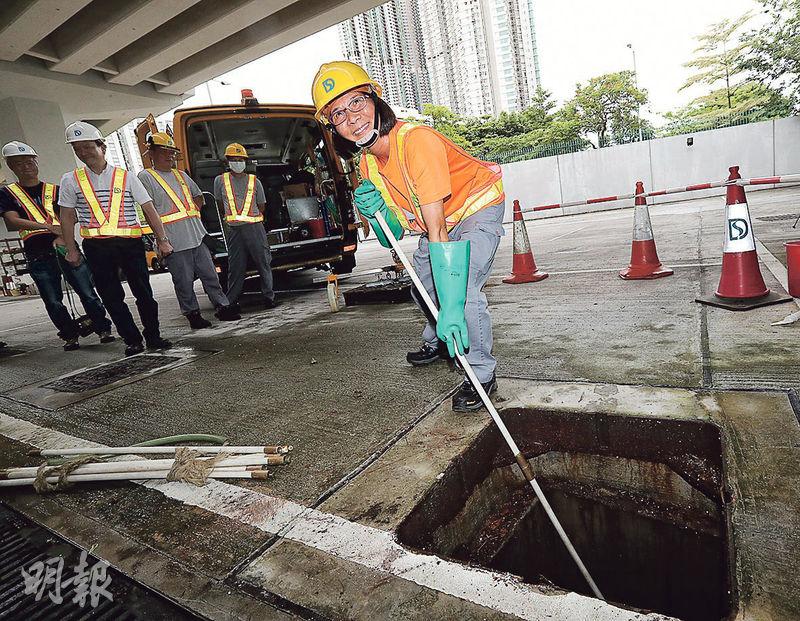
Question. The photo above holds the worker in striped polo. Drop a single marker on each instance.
(178, 200)
(243, 202)
(30, 207)
(102, 198)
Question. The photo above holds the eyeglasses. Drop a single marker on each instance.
(356, 104)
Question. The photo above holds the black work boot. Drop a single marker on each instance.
(132, 349)
(71, 344)
(227, 313)
(158, 343)
(196, 321)
(427, 354)
(467, 398)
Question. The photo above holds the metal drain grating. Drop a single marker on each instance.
(783, 378)
(92, 379)
(23, 544)
(783, 216)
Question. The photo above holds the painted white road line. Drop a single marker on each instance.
(27, 325)
(617, 269)
(369, 547)
(570, 233)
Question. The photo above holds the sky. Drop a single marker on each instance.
(577, 39)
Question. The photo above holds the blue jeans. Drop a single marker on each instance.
(46, 271)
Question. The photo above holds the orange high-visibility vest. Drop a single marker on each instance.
(487, 195)
(245, 214)
(43, 215)
(181, 208)
(105, 222)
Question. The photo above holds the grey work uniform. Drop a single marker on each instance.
(245, 238)
(483, 230)
(190, 257)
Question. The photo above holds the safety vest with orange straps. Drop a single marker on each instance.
(105, 221)
(245, 214)
(490, 193)
(182, 208)
(43, 215)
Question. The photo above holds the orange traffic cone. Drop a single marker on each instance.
(524, 267)
(644, 257)
(741, 286)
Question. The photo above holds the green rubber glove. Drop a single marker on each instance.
(450, 266)
(369, 201)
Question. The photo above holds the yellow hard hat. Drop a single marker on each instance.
(236, 150)
(336, 78)
(161, 139)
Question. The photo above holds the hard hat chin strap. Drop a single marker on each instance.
(372, 137)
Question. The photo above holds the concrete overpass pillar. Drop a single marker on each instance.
(40, 124)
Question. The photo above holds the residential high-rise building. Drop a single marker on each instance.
(474, 56)
(481, 54)
(122, 149)
(386, 41)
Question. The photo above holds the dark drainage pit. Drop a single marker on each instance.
(641, 499)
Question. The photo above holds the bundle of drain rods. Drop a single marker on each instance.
(189, 464)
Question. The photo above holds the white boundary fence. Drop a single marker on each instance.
(765, 149)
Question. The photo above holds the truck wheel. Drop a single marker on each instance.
(345, 266)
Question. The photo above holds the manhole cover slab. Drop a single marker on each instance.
(92, 379)
(75, 386)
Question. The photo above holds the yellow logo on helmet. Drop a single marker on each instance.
(336, 78)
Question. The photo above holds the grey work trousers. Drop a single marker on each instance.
(243, 241)
(483, 230)
(184, 266)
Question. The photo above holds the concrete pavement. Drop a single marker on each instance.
(337, 388)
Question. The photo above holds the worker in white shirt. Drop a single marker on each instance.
(102, 198)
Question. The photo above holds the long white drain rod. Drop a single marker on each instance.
(521, 459)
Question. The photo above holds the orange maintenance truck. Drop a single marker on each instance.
(310, 219)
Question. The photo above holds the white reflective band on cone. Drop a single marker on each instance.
(642, 228)
(521, 243)
(738, 230)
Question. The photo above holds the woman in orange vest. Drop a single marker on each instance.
(421, 181)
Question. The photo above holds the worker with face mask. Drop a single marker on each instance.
(421, 181)
(242, 200)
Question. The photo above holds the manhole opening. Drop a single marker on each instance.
(640, 498)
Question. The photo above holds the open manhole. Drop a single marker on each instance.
(641, 499)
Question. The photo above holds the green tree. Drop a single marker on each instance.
(608, 106)
(447, 122)
(749, 96)
(773, 53)
(719, 57)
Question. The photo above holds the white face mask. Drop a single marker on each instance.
(237, 167)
